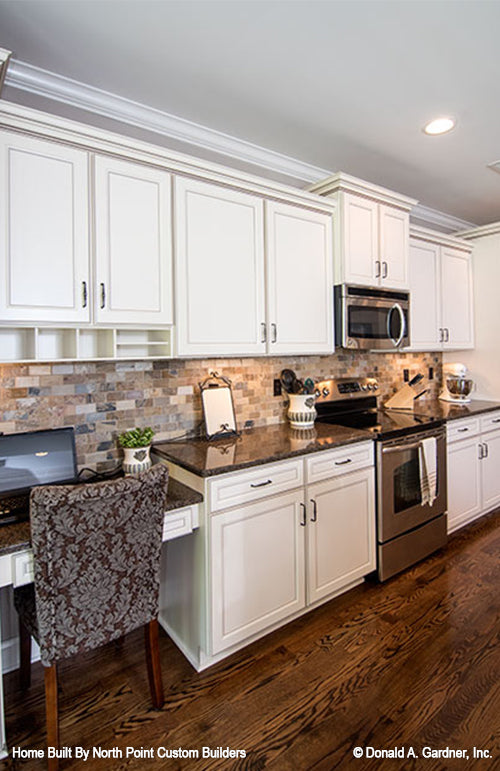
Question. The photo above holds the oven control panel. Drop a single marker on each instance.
(346, 388)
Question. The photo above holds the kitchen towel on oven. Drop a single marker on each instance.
(427, 458)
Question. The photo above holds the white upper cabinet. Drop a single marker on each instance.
(299, 280)
(359, 234)
(44, 252)
(441, 292)
(457, 298)
(425, 296)
(219, 240)
(222, 288)
(394, 226)
(374, 243)
(372, 234)
(133, 243)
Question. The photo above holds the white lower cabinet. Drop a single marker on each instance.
(271, 558)
(340, 533)
(257, 576)
(473, 463)
(273, 541)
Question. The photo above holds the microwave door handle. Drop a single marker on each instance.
(396, 307)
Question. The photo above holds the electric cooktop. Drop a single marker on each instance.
(353, 403)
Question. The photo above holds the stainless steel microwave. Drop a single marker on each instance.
(368, 318)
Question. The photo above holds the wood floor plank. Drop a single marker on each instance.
(413, 662)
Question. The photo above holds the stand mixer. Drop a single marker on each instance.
(456, 385)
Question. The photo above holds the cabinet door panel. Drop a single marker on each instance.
(300, 280)
(490, 466)
(394, 240)
(44, 252)
(341, 542)
(425, 296)
(133, 243)
(219, 270)
(257, 568)
(360, 229)
(456, 284)
(464, 484)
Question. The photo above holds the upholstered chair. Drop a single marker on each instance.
(96, 552)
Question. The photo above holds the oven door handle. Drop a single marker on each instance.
(400, 447)
(396, 307)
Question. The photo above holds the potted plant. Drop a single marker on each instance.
(136, 443)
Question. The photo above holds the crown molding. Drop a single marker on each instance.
(438, 237)
(26, 77)
(35, 80)
(493, 229)
(438, 219)
(347, 183)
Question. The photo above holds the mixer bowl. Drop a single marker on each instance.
(459, 386)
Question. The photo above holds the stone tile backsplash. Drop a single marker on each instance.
(102, 399)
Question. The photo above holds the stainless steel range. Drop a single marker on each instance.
(409, 525)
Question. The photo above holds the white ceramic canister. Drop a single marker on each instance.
(301, 410)
(136, 459)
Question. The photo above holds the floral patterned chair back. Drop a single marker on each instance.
(97, 560)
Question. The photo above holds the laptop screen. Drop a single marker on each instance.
(36, 458)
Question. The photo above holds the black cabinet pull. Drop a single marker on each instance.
(461, 430)
(103, 295)
(84, 294)
(314, 517)
(343, 462)
(262, 484)
(303, 520)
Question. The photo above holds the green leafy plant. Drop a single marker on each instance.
(136, 437)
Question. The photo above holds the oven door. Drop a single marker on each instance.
(399, 496)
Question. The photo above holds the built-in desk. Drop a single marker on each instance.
(16, 556)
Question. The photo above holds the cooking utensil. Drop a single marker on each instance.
(288, 377)
(309, 385)
(297, 386)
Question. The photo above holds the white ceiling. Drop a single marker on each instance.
(342, 85)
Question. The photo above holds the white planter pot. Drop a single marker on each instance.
(301, 410)
(136, 459)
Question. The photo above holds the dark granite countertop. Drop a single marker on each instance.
(17, 537)
(254, 447)
(452, 410)
(180, 495)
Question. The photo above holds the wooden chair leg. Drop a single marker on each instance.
(51, 712)
(153, 663)
(25, 656)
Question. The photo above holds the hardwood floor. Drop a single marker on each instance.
(414, 662)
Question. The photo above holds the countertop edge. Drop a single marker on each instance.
(362, 436)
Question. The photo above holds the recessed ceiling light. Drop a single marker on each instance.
(439, 126)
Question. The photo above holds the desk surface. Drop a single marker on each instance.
(17, 537)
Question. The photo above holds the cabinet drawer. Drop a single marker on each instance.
(461, 429)
(22, 568)
(180, 522)
(241, 487)
(342, 460)
(490, 421)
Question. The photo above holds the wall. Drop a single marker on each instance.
(484, 360)
(101, 399)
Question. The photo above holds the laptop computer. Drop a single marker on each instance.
(29, 459)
